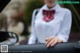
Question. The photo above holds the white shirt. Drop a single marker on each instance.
(60, 26)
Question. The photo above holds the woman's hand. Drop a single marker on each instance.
(52, 41)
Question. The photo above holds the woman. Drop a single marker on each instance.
(52, 25)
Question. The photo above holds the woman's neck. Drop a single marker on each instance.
(51, 6)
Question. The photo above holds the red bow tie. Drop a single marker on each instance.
(48, 15)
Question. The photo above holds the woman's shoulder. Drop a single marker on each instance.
(66, 10)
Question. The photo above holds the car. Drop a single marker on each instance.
(10, 39)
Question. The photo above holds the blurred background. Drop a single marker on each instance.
(17, 15)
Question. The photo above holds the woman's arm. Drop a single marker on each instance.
(63, 34)
(65, 27)
(32, 39)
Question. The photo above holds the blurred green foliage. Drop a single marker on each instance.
(30, 6)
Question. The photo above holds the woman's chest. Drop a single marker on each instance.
(58, 18)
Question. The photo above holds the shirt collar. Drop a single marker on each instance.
(56, 7)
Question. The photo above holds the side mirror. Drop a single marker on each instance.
(8, 38)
